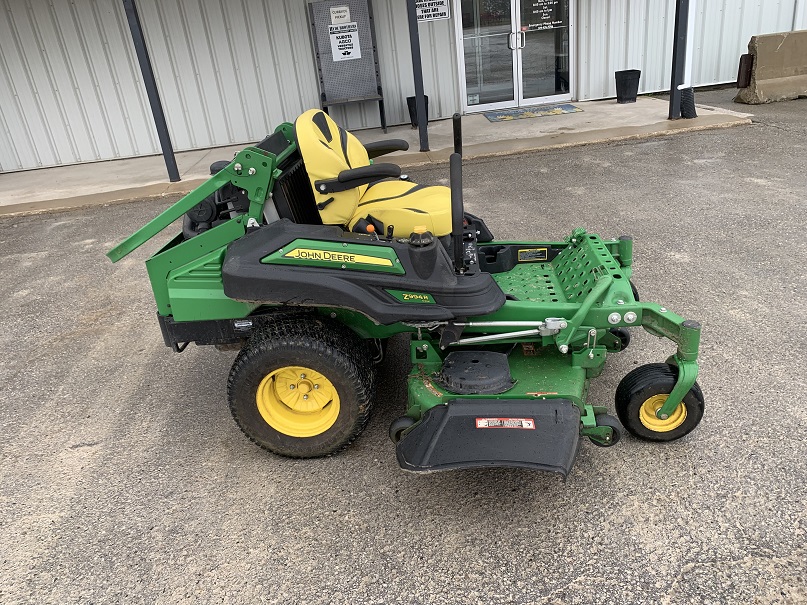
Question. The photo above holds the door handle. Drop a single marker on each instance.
(512, 43)
(522, 39)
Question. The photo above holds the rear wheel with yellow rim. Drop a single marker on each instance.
(302, 387)
(641, 394)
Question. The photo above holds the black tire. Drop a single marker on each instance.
(623, 334)
(616, 434)
(645, 382)
(328, 348)
(635, 291)
(398, 426)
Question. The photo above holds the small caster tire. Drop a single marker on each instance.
(623, 334)
(616, 432)
(643, 391)
(398, 426)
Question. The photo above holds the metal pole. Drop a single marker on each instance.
(151, 88)
(679, 56)
(417, 73)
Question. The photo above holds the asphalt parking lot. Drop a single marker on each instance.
(125, 480)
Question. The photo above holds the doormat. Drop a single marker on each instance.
(506, 115)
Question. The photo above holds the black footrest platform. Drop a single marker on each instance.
(464, 433)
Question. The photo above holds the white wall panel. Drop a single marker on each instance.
(69, 85)
(638, 34)
(724, 28)
(800, 15)
(623, 34)
(230, 70)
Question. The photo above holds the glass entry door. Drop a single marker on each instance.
(515, 52)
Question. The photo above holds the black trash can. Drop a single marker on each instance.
(627, 85)
(411, 103)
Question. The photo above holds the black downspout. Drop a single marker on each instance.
(151, 88)
(679, 56)
(417, 73)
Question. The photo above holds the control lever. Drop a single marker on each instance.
(457, 212)
(457, 127)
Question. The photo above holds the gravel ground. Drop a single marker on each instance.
(124, 479)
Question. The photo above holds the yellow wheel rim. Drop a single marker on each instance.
(297, 401)
(647, 415)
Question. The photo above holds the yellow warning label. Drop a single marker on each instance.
(531, 255)
(337, 257)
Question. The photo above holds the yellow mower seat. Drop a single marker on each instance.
(329, 151)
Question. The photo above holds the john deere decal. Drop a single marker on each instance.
(337, 257)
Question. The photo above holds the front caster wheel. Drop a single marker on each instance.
(302, 388)
(616, 433)
(398, 426)
(642, 393)
(635, 291)
(623, 334)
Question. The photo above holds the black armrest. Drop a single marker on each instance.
(350, 179)
(383, 147)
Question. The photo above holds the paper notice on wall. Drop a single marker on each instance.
(340, 14)
(345, 41)
(432, 10)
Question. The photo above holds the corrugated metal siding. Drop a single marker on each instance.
(231, 70)
(228, 72)
(718, 49)
(637, 34)
(69, 85)
(621, 34)
(800, 15)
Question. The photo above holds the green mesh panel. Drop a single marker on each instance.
(568, 278)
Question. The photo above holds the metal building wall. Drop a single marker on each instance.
(69, 85)
(800, 15)
(231, 70)
(637, 34)
(228, 72)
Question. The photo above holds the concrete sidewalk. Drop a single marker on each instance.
(119, 180)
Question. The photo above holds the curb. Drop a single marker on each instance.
(409, 160)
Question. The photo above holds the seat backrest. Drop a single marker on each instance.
(292, 194)
(327, 150)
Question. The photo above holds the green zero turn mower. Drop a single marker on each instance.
(306, 256)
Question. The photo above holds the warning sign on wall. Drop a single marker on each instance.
(345, 41)
(432, 10)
